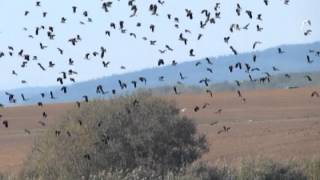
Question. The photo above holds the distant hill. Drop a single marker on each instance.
(292, 61)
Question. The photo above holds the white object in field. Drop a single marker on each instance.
(183, 109)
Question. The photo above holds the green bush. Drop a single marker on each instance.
(120, 134)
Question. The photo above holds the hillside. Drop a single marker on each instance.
(292, 61)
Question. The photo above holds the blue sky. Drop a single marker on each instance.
(281, 23)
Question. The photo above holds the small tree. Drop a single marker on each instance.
(124, 133)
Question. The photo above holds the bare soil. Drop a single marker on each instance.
(278, 124)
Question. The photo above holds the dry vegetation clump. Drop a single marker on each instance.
(262, 169)
(312, 169)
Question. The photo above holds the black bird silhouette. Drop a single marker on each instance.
(226, 39)
(134, 8)
(280, 51)
(231, 68)
(209, 61)
(287, 76)
(134, 84)
(43, 46)
(233, 50)
(42, 68)
(259, 28)
(27, 131)
(40, 104)
(169, 48)
(153, 9)
(238, 83)
(105, 64)
(51, 64)
(246, 27)
(286, 2)
(307, 32)
(78, 104)
(254, 57)
(143, 79)
(14, 73)
(210, 70)
(152, 27)
(181, 38)
(189, 13)
(44, 115)
(315, 94)
(275, 69)
(196, 109)
(239, 93)
(238, 9)
(205, 105)
(60, 51)
(74, 9)
(181, 76)
(209, 92)
(71, 62)
(44, 14)
(160, 62)
(106, 6)
(191, 53)
(205, 81)
(86, 99)
(23, 97)
(175, 90)
(161, 2)
(108, 33)
(214, 123)
(133, 35)
(256, 43)
(308, 77)
(64, 89)
(122, 84)
(5, 123)
(63, 20)
(162, 51)
(219, 111)
(309, 60)
(42, 123)
(60, 80)
(161, 78)
(249, 13)
(51, 95)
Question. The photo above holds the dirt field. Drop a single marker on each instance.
(277, 124)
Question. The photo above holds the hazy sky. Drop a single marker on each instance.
(281, 23)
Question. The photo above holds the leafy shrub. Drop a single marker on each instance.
(120, 134)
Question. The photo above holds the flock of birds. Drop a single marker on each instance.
(210, 17)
